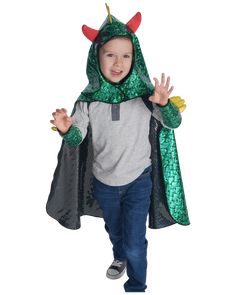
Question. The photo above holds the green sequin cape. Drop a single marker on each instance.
(71, 194)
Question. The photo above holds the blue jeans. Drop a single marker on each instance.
(125, 209)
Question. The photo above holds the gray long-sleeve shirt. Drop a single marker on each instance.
(121, 148)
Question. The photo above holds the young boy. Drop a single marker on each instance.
(111, 163)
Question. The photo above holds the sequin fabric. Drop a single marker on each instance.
(73, 137)
(171, 115)
(136, 84)
(172, 177)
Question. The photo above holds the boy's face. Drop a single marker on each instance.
(115, 59)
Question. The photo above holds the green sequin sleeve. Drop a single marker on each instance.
(168, 115)
(73, 137)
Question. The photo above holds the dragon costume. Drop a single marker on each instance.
(71, 194)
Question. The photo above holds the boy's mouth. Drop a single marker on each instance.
(116, 72)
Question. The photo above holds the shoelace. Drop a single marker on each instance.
(117, 263)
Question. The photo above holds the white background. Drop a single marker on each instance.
(42, 67)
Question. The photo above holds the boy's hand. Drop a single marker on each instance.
(162, 91)
(61, 120)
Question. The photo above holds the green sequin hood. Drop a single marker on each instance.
(136, 84)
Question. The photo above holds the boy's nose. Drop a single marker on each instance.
(118, 61)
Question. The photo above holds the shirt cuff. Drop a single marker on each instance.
(73, 136)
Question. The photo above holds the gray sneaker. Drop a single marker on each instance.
(116, 269)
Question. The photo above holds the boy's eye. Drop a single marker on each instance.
(127, 56)
(110, 55)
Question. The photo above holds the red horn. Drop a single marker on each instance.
(134, 23)
(89, 33)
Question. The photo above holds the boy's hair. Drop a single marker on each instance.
(113, 38)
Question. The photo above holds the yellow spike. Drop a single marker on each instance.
(178, 102)
(109, 14)
(181, 109)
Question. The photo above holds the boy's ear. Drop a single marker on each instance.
(135, 22)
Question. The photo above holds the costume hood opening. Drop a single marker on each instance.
(136, 84)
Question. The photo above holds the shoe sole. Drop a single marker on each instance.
(116, 276)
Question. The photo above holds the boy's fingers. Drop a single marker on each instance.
(59, 112)
(156, 82)
(171, 89)
(55, 114)
(167, 83)
(162, 79)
